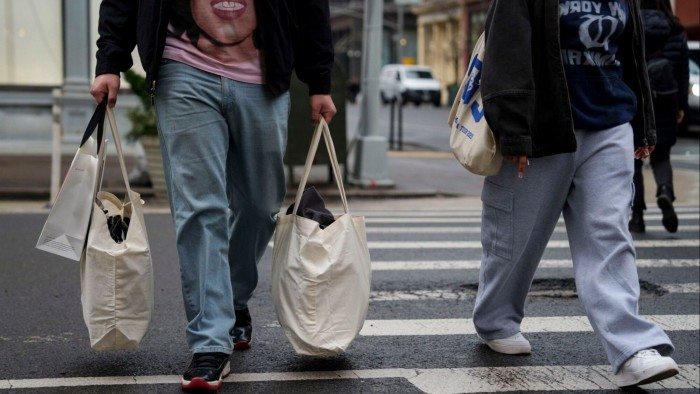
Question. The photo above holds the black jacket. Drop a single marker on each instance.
(664, 39)
(526, 99)
(294, 34)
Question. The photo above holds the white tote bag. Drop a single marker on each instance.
(116, 273)
(471, 139)
(320, 276)
(66, 227)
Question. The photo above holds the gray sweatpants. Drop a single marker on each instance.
(593, 188)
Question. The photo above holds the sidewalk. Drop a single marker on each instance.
(25, 181)
(422, 180)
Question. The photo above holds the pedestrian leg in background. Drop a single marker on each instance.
(596, 216)
(663, 174)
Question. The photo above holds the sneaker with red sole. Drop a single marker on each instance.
(242, 331)
(206, 372)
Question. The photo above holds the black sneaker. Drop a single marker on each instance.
(206, 372)
(669, 218)
(242, 331)
(636, 224)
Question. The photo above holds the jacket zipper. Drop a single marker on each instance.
(634, 17)
(160, 20)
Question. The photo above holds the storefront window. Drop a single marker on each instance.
(30, 42)
(477, 23)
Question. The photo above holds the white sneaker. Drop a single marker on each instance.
(516, 344)
(644, 367)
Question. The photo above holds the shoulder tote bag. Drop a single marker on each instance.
(471, 139)
(320, 276)
(116, 273)
(66, 227)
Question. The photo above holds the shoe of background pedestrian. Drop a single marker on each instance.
(669, 218)
(206, 372)
(636, 224)
(242, 331)
(516, 344)
(644, 367)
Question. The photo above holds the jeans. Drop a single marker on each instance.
(592, 187)
(222, 143)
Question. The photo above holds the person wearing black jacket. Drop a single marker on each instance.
(218, 73)
(664, 41)
(566, 94)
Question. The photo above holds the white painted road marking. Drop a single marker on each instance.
(553, 263)
(428, 327)
(438, 380)
(456, 218)
(670, 243)
(424, 230)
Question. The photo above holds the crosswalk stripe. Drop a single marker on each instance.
(475, 264)
(424, 230)
(372, 220)
(419, 327)
(455, 294)
(669, 243)
(433, 380)
(477, 212)
(536, 378)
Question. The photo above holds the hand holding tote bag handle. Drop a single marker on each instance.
(116, 273)
(471, 139)
(65, 229)
(320, 276)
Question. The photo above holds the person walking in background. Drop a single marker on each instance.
(667, 63)
(566, 93)
(219, 75)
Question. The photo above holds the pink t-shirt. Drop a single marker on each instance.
(216, 37)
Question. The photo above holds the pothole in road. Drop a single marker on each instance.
(566, 288)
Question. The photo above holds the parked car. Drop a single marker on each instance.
(691, 122)
(410, 83)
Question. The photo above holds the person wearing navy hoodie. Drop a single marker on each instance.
(218, 73)
(566, 94)
(664, 39)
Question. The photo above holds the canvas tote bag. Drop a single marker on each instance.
(471, 139)
(116, 273)
(320, 277)
(66, 227)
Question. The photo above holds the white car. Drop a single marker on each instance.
(409, 83)
(692, 117)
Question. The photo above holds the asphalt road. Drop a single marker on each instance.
(417, 337)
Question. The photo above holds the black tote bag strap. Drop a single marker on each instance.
(97, 121)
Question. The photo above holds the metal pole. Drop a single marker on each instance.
(400, 122)
(399, 34)
(370, 154)
(391, 124)
(57, 136)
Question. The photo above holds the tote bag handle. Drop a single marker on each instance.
(120, 153)
(321, 129)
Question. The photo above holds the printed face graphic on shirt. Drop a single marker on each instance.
(589, 30)
(224, 22)
(221, 30)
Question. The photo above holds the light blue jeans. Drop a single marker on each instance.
(593, 188)
(222, 143)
